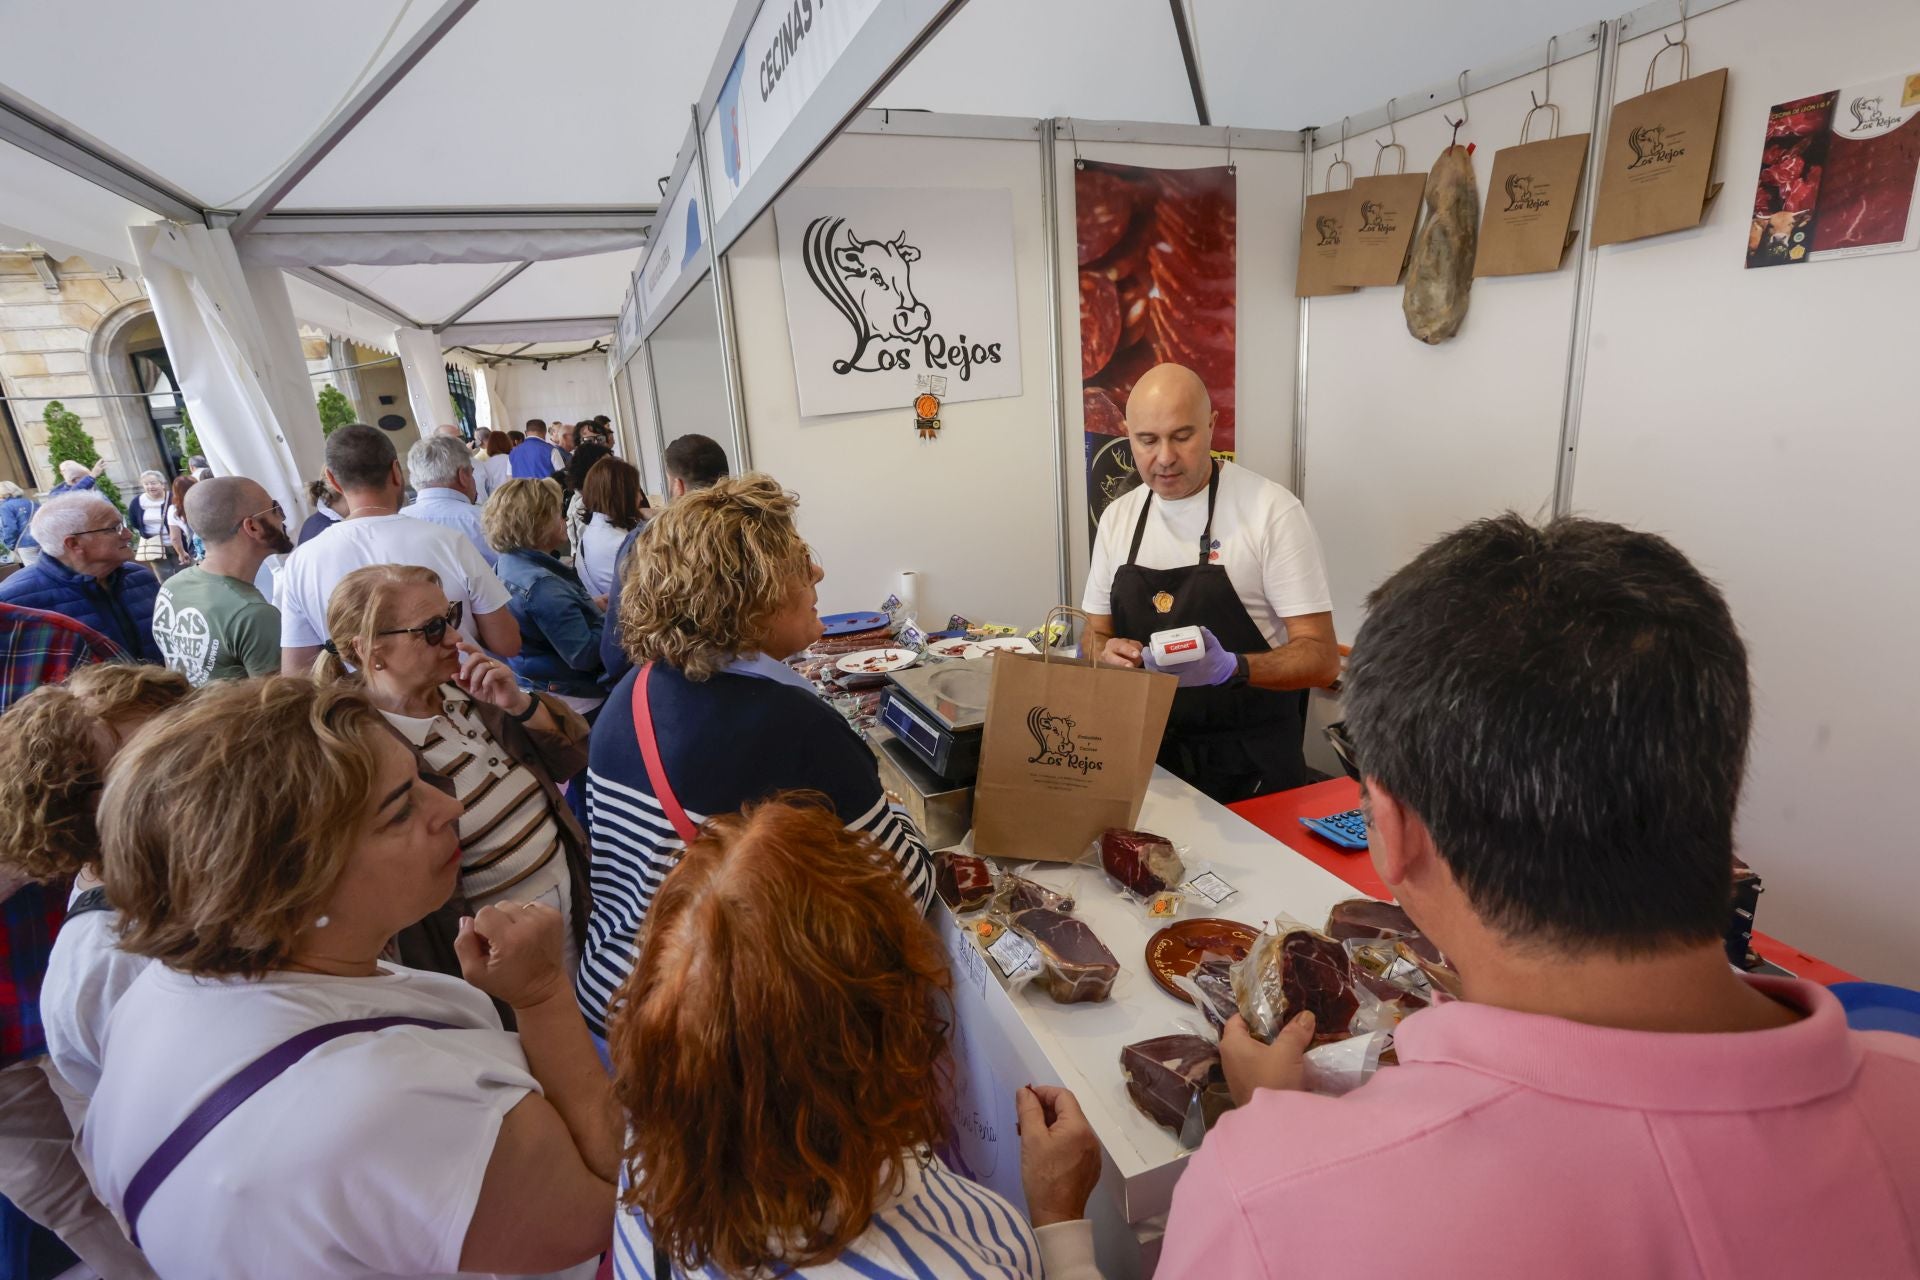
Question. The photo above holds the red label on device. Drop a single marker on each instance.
(1181, 646)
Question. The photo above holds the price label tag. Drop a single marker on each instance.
(1014, 954)
(1211, 887)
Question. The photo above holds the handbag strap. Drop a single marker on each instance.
(650, 753)
(240, 1086)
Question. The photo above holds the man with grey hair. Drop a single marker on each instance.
(85, 572)
(75, 477)
(210, 621)
(444, 490)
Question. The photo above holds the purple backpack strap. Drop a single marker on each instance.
(243, 1084)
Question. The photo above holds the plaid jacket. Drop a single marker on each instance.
(36, 648)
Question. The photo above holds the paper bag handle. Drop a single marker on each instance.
(1686, 59)
(1046, 627)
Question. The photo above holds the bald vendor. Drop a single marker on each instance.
(1210, 544)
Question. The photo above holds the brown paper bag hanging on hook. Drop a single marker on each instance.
(1528, 222)
(1322, 239)
(1382, 212)
(1656, 172)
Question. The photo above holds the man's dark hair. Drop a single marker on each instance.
(602, 421)
(360, 457)
(697, 460)
(584, 456)
(536, 427)
(1566, 708)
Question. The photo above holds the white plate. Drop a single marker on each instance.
(1012, 644)
(951, 647)
(870, 662)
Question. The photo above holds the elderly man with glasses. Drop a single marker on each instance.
(85, 572)
(210, 621)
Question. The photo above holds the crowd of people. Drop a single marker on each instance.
(490, 896)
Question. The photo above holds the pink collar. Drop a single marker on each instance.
(1648, 1070)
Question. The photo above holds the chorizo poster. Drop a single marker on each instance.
(887, 285)
(1157, 254)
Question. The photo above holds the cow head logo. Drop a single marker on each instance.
(1651, 145)
(1521, 195)
(1867, 114)
(870, 282)
(1054, 742)
(1329, 229)
(1374, 216)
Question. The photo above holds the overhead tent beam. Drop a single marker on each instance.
(886, 43)
(1190, 57)
(1218, 137)
(341, 287)
(637, 217)
(482, 296)
(357, 109)
(42, 134)
(562, 329)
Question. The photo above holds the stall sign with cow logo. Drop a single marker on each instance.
(885, 286)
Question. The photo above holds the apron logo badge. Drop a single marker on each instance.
(1162, 602)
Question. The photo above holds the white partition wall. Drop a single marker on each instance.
(973, 511)
(1764, 420)
(1405, 441)
(690, 376)
(1266, 321)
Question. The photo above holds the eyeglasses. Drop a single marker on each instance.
(118, 526)
(274, 510)
(433, 630)
(1342, 744)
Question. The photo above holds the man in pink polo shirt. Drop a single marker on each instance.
(1550, 726)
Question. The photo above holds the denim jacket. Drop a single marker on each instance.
(15, 515)
(559, 625)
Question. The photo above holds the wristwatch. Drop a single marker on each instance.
(1242, 671)
(533, 706)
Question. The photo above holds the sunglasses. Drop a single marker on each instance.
(433, 630)
(1342, 744)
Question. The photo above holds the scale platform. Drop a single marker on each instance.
(938, 711)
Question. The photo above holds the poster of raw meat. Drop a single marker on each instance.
(1157, 250)
(887, 285)
(1791, 166)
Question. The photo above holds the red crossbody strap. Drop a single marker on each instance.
(650, 752)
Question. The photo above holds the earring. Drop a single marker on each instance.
(322, 922)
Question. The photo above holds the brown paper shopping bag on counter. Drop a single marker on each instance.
(1067, 752)
(1322, 237)
(1382, 212)
(1656, 172)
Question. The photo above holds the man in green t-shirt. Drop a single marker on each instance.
(210, 621)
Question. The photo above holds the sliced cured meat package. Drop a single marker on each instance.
(1166, 1075)
(1370, 918)
(1075, 966)
(1140, 862)
(964, 882)
(1017, 894)
(1104, 209)
(1867, 195)
(1099, 322)
(1291, 970)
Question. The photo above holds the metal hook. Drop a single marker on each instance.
(1670, 41)
(1552, 110)
(1465, 116)
(1547, 86)
(1344, 121)
(1394, 133)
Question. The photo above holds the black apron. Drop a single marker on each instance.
(1231, 742)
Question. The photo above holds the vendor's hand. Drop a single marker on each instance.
(489, 680)
(1214, 666)
(1059, 1156)
(1122, 652)
(1251, 1065)
(512, 951)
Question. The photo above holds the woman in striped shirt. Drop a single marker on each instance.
(791, 996)
(464, 714)
(719, 590)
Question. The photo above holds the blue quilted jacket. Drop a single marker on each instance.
(121, 610)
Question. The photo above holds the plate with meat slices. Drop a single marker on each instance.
(1012, 644)
(1176, 951)
(869, 662)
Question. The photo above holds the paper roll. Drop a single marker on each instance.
(909, 593)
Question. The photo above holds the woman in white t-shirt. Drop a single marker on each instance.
(504, 750)
(492, 468)
(264, 843)
(611, 497)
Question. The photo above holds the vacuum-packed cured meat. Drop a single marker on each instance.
(1075, 966)
(1292, 970)
(1367, 918)
(1143, 863)
(1441, 273)
(1017, 894)
(963, 881)
(1164, 1076)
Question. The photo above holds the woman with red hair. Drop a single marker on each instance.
(779, 1054)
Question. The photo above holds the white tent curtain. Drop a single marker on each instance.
(491, 389)
(235, 348)
(426, 369)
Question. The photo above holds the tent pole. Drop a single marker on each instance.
(1050, 229)
(1586, 271)
(659, 427)
(723, 301)
(1188, 56)
(1307, 139)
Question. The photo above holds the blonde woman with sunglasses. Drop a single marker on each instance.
(503, 751)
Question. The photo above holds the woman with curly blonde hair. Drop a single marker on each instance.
(792, 997)
(718, 591)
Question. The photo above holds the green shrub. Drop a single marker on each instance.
(68, 441)
(335, 409)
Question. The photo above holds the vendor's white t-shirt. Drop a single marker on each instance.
(1262, 536)
(86, 976)
(363, 1158)
(317, 565)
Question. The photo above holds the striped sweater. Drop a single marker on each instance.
(724, 742)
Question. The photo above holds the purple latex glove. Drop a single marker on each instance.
(1215, 666)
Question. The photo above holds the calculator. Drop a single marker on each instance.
(1348, 830)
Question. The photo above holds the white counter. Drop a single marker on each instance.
(1005, 1040)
